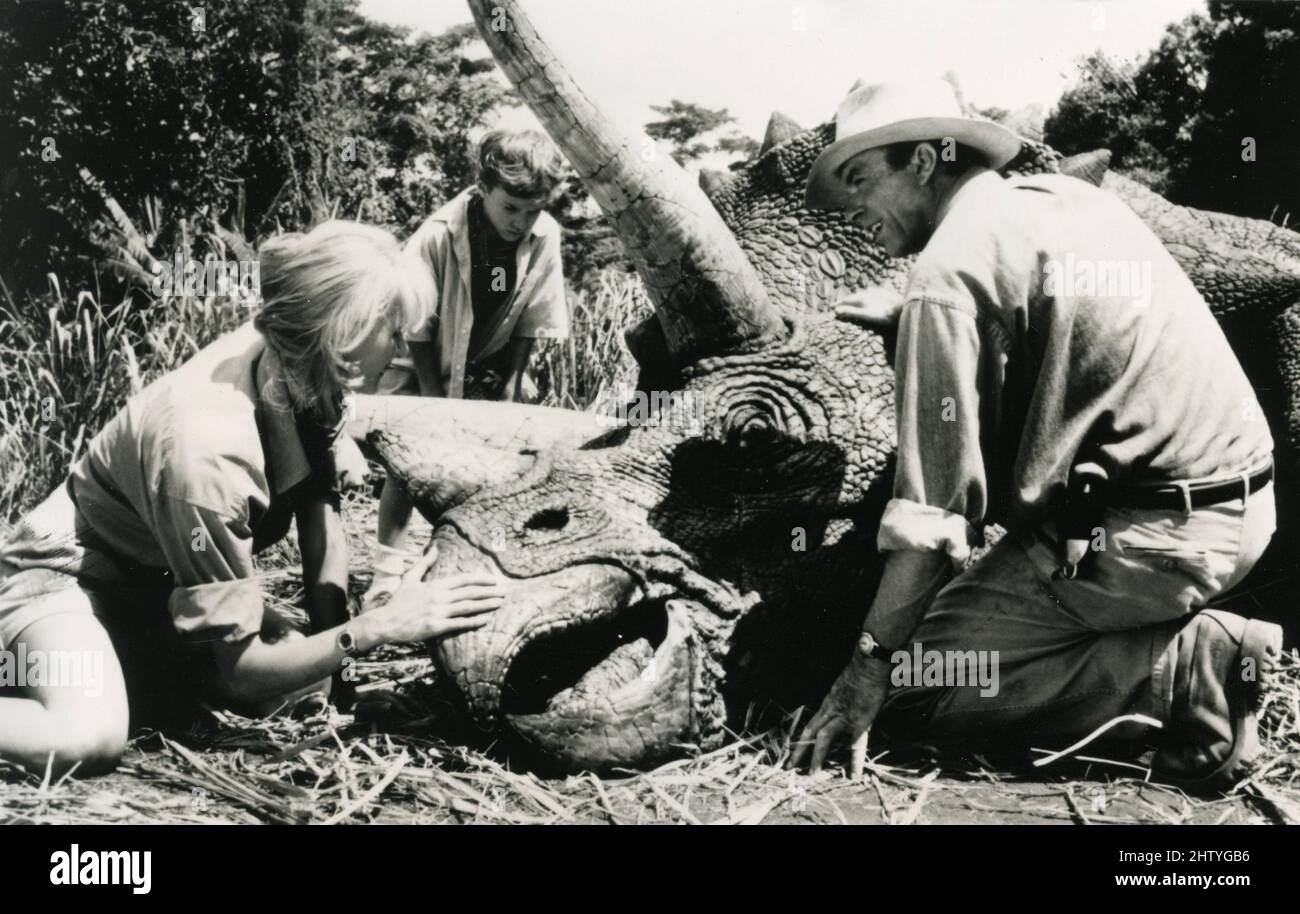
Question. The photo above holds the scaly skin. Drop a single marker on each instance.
(663, 580)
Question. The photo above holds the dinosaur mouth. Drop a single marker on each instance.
(614, 692)
(565, 667)
(584, 668)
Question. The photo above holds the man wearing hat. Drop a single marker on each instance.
(1051, 370)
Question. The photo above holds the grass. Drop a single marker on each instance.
(68, 363)
(402, 757)
(580, 371)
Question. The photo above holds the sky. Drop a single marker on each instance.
(801, 56)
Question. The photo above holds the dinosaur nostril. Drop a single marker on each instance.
(548, 519)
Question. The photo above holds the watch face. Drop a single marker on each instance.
(347, 643)
(866, 644)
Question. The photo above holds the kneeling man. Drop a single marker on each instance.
(1058, 372)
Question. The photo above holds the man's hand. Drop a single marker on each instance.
(878, 307)
(848, 712)
(350, 467)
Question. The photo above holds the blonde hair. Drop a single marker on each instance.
(323, 294)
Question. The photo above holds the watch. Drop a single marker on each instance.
(347, 642)
(868, 646)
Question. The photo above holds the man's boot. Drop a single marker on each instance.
(1217, 665)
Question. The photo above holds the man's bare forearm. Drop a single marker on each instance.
(909, 585)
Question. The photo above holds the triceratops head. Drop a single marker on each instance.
(714, 552)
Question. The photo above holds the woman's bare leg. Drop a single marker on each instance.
(84, 720)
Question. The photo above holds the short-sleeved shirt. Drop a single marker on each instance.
(1047, 330)
(535, 307)
(194, 475)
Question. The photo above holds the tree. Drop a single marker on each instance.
(1246, 135)
(264, 114)
(1207, 118)
(683, 125)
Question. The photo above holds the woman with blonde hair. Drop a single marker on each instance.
(145, 552)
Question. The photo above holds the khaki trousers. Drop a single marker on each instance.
(1073, 654)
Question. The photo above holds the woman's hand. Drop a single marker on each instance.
(879, 307)
(848, 711)
(420, 610)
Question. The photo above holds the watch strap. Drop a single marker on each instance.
(868, 646)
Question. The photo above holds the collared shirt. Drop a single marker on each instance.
(535, 309)
(193, 475)
(1046, 329)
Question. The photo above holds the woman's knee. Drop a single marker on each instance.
(94, 743)
(82, 690)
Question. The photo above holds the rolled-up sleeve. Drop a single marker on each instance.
(429, 244)
(940, 490)
(546, 313)
(217, 596)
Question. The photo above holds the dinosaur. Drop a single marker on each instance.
(665, 579)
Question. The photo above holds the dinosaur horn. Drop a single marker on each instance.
(780, 127)
(707, 294)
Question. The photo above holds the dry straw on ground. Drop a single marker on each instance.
(69, 364)
(406, 764)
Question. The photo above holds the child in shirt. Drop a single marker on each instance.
(495, 257)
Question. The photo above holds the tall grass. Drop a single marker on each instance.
(578, 372)
(68, 364)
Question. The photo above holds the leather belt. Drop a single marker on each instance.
(1186, 496)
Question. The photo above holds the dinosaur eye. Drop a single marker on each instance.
(752, 424)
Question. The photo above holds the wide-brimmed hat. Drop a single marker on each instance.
(897, 112)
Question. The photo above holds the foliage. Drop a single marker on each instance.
(66, 369)
(266, 115)
(684, 123)
(1208, 118)
(68, 364)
